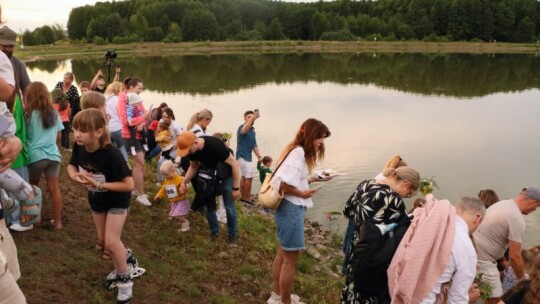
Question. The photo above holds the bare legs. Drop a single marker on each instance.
(245, 188)
(283, 271)
(138, 173)
(109, 229)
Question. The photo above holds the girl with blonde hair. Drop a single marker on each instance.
(199, 122)
(380, 201)
(394, 162)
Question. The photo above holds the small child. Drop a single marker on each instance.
(132, 111)
(100, 167)
(61, 105)
(171, 187)
(84, 86)
(264, 167)
(165, 140)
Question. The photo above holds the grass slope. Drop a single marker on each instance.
(65, 50)
(63, 267)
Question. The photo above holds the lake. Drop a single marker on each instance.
(467, 120)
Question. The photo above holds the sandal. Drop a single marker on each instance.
(105, 254)
(28, 209)
(9, 206)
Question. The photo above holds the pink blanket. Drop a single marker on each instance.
(424, 252)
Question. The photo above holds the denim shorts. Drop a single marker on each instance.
(290, 226)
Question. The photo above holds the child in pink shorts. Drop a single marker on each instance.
(171, 187)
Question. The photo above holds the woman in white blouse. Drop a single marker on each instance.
(294, 176)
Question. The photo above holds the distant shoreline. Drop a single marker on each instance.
(66, 50)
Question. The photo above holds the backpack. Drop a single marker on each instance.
(373, 254)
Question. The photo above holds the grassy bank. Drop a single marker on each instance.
(63, 267)
(65, 50)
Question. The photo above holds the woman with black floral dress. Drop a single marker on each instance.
(381, 201)
(71, 91)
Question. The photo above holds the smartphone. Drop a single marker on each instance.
(257, 112)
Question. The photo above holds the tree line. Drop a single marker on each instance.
(215, 20)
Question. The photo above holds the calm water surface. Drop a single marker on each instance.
(471, 121)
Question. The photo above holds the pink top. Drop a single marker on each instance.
(64, 115)
(121, 109)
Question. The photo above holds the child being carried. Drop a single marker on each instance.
(133, 111)
(164, 139)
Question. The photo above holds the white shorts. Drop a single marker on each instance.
(491, 276)
(246, 168)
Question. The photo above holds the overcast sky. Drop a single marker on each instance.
(29, 14)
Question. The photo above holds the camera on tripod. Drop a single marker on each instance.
(110, 54)
(109, 63)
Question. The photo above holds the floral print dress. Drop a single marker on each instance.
(380, 203)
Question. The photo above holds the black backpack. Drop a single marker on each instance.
(372, 256)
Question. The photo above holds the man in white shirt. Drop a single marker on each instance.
(458, 276)
(504, 227)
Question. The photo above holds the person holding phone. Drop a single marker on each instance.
(293, 178)
(246, 145)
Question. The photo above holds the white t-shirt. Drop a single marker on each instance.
(503, 223)
(199, 132)
(294, 171)
(114, 121)
(461, 268)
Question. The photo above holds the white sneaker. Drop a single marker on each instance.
(184, 227)
(19, 228)
(276, 299)
(133, 151)
(125, 291)
(143, 199)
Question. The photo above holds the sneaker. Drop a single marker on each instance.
(158, 185)
(145, 147)
(131, 259)
(19, 228)
(233, 241)
(276, 299)
(143, 199)
(133, 151)
(214, 237)
(125, 288)
(184, 227)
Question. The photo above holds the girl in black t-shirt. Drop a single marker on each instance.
(99, 166)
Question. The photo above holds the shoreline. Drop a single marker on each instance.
(75, 51)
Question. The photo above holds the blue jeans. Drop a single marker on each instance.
(15, 216)
(116, 138)
(230, 209)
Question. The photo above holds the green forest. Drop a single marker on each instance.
(218, 20)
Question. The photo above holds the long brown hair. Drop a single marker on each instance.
(91, 120)
(309, 131)
(488, 197)
(37, 98)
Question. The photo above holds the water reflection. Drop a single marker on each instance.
(458, 75)
(373, 108)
